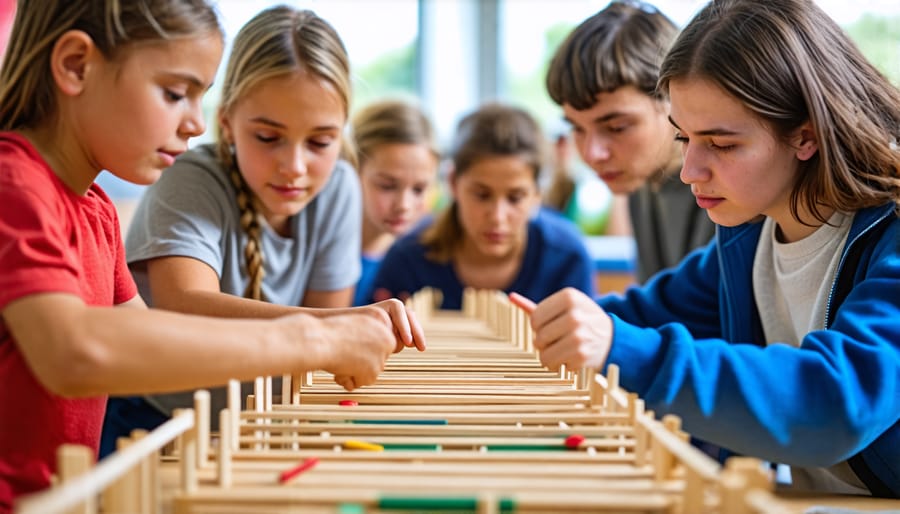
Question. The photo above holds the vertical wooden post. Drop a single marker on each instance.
(201, 422)
(147, 483)
(73, 460)
(234, 408)
(189, 460)
(123, 496)
(286, 389)
(225, 448)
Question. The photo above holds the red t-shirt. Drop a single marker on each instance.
(51, 240)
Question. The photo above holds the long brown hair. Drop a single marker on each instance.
(789, 63)
(494, 129)
(27, 97)
(278, 41)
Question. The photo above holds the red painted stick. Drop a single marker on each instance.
(296, 470)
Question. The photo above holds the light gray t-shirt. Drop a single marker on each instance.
(192, 211)
(791, 285)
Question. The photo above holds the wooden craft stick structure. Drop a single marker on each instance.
(474, 424)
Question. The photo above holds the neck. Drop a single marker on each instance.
(375, 241)
(65, 157)
(790, 230)
(470, 254)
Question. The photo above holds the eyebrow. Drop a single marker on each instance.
(602, 119)
(191, 79)
(708, 132)
(268, 121)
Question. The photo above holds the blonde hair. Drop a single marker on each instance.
(493, 130)
(27, 97)
(387, 122)
(622, 45)
(276, 42)
(789, 63)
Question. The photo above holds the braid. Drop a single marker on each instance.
(250, 223)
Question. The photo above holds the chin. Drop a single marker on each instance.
(624, 188)
(495, 251)
(728, 221)
(144, 178)
(395, 230)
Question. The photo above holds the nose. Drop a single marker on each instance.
(499, 209)
(406, 200)
(293, 162)
(193, 123)
(693, 168)
(594, 147)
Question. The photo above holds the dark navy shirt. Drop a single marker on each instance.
(555, 257)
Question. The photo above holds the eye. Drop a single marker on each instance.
(265, 138)
(680, 139)
(721, 148)
(173, 96)
(617, 129)
(516, 198)
(321, 143)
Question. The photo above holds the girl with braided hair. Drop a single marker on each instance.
(266, 221)
(73, 328)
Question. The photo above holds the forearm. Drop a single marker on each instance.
(776, 403)
(223, 305)
(94, 350)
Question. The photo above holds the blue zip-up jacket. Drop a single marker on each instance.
(703, 355)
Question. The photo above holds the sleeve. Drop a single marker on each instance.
(778, 402)
(337, 262)
(35, 254)
(186, 212)
(123, 281)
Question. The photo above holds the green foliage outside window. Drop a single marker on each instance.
(878, 37)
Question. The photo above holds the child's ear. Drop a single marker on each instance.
(451, 179)
(225, 126)
(806, 142)
(70, 61)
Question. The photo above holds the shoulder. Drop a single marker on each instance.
(341, 189)
(28, 184)
(343, 176)
(197, 174)
(198, 165)
(555, 230)
(21, 164)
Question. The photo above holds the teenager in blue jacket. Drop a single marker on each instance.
(493, 235)
(781, 339)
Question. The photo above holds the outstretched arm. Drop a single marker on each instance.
(77, 350)
(187, 285)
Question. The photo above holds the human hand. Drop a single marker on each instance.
(569, 328)
(353, 346)
(407, 330)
